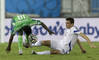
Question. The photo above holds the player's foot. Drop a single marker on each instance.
(32, 38)
(26, 45)
(20, 52)
(8, 49)
(34, 41)
(33, 52)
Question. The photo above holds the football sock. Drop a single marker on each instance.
(27, 40)
(20, 42)
(43, 53)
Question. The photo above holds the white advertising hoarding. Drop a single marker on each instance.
(88, 26)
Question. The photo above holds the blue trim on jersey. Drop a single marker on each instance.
(70, 48)
(76, 31)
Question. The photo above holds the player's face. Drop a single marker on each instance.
(68, 24)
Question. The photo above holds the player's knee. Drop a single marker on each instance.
(46, 43)
(43, 42)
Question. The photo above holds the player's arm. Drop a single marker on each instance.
(9, 43)
(11, 38)
(44, 26)
(79, 44)
(88, 40)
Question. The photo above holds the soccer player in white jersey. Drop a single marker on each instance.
(65, 45)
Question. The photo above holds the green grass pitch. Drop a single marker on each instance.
(75, 54)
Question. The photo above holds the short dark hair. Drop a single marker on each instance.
(70, 19)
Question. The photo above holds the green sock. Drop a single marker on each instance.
(27, 40)
(20, 39)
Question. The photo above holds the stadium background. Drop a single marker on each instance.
(52, 11)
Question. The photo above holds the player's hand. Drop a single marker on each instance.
(8, 49)
(93, 46)
(83, 51)
(26, 45)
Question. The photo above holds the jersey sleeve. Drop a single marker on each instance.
(76, 30)
(35, 22)
(38, 22)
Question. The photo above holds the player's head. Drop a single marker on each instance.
(69, 22)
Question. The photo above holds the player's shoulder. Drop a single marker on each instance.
(17, 17)
(74, 28)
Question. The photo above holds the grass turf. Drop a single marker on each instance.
(75, 54)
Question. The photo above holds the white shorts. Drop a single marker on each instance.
(59, 45)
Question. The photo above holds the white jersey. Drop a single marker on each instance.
(67, 43)
(70, 37)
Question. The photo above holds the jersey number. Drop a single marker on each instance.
(21, 17)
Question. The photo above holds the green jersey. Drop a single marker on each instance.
(23, 20)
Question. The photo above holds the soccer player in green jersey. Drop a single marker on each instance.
(22, 23)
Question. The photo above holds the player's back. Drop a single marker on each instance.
(21, 18)
(21, 21)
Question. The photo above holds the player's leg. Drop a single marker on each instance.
(46, 43)
(20, 41)
(50, 44)
(55, 49)
(41, 53)
(28, 31)
(55, 52)
(47, 52)
(9, 43)
(43, 43)
(11, 38)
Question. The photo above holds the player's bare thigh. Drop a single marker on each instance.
(46, 43)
